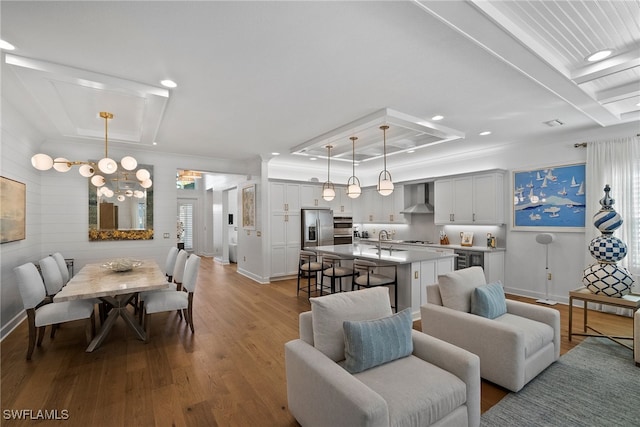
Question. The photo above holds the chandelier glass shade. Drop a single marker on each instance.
(385, 183)
(328, 189)
(87, 169)
(353, 183)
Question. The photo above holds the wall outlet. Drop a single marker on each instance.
(165, 235)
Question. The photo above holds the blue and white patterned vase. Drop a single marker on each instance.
(605, 277)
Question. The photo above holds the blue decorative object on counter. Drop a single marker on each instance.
(605, 276)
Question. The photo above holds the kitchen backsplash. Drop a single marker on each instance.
(423, 228)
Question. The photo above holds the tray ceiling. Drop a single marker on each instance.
(73, 99)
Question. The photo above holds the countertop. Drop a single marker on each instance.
(394, 256)
(432, 245)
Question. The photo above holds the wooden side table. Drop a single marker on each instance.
(630, 301)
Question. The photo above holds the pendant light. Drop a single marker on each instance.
(353, 184)
(328, 190)
(385, 184)
(106, 165)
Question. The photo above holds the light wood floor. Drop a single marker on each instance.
(229, 373)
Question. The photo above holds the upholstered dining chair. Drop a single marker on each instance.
(181, 299)
(176, 284)
(368, 274)
(52, 276)
(335, 270)
(62, 266)
(170, 263)
(40, 314)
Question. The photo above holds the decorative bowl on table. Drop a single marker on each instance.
(122, 264)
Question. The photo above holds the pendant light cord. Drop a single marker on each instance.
(384, 145)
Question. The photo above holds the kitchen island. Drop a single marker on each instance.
(416, 268)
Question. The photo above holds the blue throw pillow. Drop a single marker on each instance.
(489, 301)
(370, 343)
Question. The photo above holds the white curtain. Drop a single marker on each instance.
(617, 163)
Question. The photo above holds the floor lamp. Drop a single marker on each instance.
(545, 239)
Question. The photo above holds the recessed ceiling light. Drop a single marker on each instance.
(411, 151)
(599, 55)
(485, 133)
(155, 143)
(169, 83)
(275, 154)
(313, 158)
(6, 45)
(438, 117)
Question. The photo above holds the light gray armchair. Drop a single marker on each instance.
(438, 384)
(513, 347)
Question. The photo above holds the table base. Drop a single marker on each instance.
(119, 309)
(586, 298)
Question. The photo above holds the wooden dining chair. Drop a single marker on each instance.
(41, 314)
(181, 299)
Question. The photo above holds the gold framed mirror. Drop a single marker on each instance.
(121, 209)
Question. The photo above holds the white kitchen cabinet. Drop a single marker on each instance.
(285, 244)
(488, 201)
(374, 208)
(369, 210)
(341, 205)
(284, 197)
(470, 199)
(311, 196)
(285, 229)
(443, 201)
(394, 204)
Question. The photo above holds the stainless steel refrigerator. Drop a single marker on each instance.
(317, 227)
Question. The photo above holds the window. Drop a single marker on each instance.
(185, 218)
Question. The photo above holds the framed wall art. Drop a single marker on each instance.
(549, 199)
(249, 207)
(12, 210)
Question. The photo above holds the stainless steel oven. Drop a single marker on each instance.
(467, 258)
(342, 230)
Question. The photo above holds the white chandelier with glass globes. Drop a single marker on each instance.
(353, 183)
(106, 165)
(328, 189)
(385, 184)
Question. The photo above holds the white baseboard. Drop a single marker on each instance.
(12, 324)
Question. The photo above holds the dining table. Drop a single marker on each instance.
(115, 288)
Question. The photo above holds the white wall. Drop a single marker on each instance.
(17, 142)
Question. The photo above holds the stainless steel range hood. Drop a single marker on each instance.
(422, 206)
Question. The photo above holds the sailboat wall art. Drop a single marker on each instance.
(549, 198)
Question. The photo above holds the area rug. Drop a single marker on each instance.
(594, 384)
